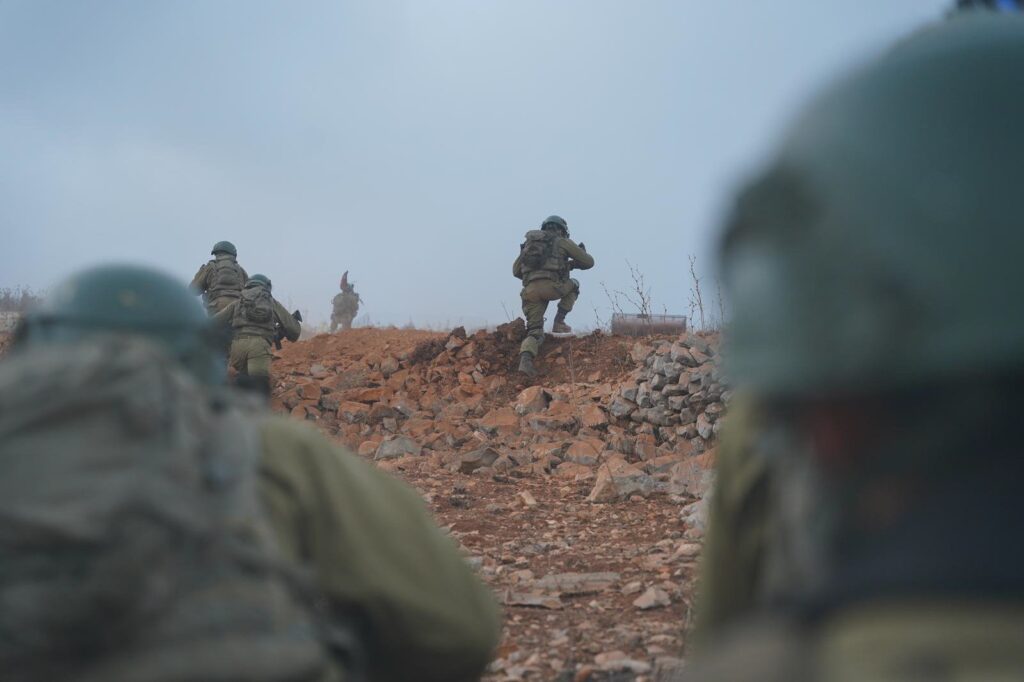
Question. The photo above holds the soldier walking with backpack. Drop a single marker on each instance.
(255, 318)
(220, 280)
(545, 260)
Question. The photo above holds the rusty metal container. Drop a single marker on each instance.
(624, 324)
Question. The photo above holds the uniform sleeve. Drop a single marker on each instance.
(291, 326)
(517, 267)
(379, 557)
(581, 259)
(199, 284)
(737, 538)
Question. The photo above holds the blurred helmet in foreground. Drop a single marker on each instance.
(127, 299)
(882, 247)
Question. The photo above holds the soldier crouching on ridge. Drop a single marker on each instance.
(220, 280)
(544, 262)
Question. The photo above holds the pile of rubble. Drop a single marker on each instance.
(677, 394)
(577, 496)
(633, 420)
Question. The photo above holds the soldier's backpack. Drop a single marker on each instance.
(225, 279)
(256, 305)
(537, 250)
(132, 545)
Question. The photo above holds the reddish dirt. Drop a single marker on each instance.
(528, 518)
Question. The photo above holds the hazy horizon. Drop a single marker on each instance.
(410, 142)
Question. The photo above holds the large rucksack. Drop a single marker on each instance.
(538, 249)
(226, 278)
(256, 306)
(132, 545)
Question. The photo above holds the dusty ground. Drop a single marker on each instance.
(590, 591)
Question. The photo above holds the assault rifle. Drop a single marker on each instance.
(279, 330)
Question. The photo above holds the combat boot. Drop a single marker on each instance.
(526, 365)
(559, 326)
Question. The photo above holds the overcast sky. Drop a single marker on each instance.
(412, 142)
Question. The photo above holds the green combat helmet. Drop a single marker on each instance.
(127, 299)
(224, 247)
(882, 248)
(262, 279)
(558, 222)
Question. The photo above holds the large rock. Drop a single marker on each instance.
(477, 459)
(353, 412)
(594, 417)
(534, 399)
(389, 366)
(691, 477)
(617, 480)
(621, 407)
(585, 450)
(644, 395)
(399, 446)
(704, 427)
(502, 420)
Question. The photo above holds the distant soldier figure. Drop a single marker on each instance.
(220, 280)
(345, 305)
(255, 318)
(544, 262)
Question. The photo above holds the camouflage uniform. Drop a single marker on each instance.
(250, 353)
(149, 384)
(896, 501)
(550, 282)
(220, 282)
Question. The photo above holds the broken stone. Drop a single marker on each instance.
(502, 420)
(471, 461)
(533, 399)
(653, 598)
(704, 427)
(399, 446)
(538, 600)
(574, 584)
(621, 407)
(594, 416)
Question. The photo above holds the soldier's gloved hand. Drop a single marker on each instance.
(583, 246)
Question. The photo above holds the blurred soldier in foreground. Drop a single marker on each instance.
(874, 271)
(544, 262)
(256, 320)
(220, 280)
(345, 306)
(157, 526)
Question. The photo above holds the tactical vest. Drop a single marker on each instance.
(555, 264)
(225, 279)
(132, 544)
(254, 312)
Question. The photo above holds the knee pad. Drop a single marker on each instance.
(575, 284)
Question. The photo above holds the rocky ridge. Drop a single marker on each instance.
(576, 496)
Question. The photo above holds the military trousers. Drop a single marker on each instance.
(536, 295)
(250, 355)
